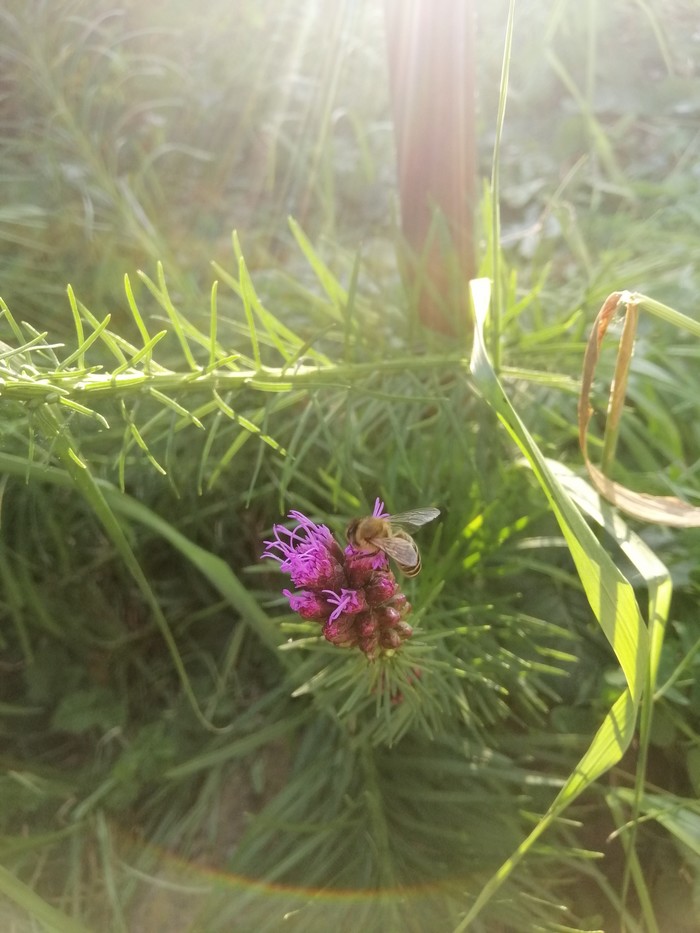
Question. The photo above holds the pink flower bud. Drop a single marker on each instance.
(370, 645)
(360, 566)
(381, 587)
(401, 603)
(390, 639)
(388, 617)
(367, 624)
(341, 631)
(309, 605)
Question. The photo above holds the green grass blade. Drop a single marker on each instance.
(609, 593)
(111, 341)
(22, 895)
(663, 311)
(216, 570)
(85, 483)
(78, 322)
(144, 353)
(496, 271)
(135, 313)
(247, 296)
(162, 296)
(85, 344)
(331, 286)
(84, 410)
(176, 407)
(603, 146)
(7, 314)
(660, 586)
(213, 321)
(680, 816)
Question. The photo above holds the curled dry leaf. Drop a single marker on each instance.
(662, 510)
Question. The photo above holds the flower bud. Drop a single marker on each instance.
(401, 603)
(361, 566)
(341, 631)
(310, 605)
(381, 587)
(390, 639)
(369, 645)
(388, 617)
(367, 624)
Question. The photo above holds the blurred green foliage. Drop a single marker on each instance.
(140, 132)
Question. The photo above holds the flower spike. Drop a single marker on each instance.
(352, 594)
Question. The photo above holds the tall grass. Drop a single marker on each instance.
(168, 723)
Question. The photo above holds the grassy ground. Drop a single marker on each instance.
(180, 752)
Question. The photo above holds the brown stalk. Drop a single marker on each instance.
(431, 52)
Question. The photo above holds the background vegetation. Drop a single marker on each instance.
(179, 752)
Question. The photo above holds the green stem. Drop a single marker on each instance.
(67, 388)
(497, 297)
(44, 387)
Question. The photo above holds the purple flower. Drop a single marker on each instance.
(308, 553)
(349, 602)
(352, 594)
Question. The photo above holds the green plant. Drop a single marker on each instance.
(167, 722)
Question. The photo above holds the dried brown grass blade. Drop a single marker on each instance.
(661, 510)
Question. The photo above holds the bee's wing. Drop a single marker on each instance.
(414, 518)
(402, 550)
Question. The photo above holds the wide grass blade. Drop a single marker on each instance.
(22, 895)
(609, 593)
(83, 480)
(660, 588)
(216, 570)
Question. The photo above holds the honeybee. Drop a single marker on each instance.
(389, 535)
